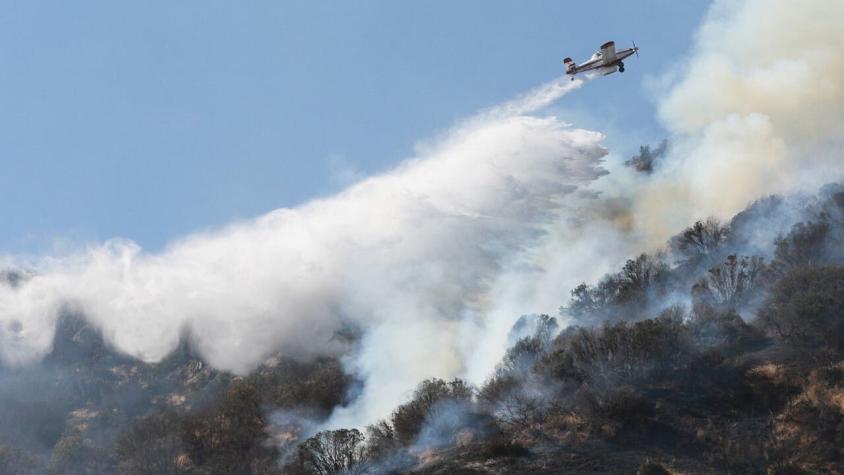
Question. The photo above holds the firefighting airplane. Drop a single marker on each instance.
(606, 61)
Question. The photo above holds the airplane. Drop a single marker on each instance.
(607, 60)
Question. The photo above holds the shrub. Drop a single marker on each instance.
(522, 356)
(733, 283)
(339, 451)
(152, 445)
(810, 431)
(806, 309)
(617, 413)
(803, 246)
(13, 460)
(621, 295)
(496, 388)
(617, 353)
(321, 384)
(409, 418)
(519, 401)
(381, 440)
(523, 408)
(698, 242)
(726, 329)
(543, 327)
(228, 437)
(73, 455)
(644, 162)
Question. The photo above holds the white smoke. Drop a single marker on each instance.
(405, 256)
(437, 258)
(757, 110)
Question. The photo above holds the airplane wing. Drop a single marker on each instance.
(608, 52)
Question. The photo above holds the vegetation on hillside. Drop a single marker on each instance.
(722, 353)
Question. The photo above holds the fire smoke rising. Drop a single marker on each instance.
(757, 110)
(404, 256)
(434, 260)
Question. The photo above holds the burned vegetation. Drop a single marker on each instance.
(722, 353)
(646, 160)
(717, 355)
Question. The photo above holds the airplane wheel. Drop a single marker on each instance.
(621, 67)
(621, 70)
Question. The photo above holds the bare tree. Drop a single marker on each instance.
(381, 440)
(803, 246)
(644, 162)
(730, 282)
(640, 274)
(339, 451)
(700, 240)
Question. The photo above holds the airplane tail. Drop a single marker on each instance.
(570, 66)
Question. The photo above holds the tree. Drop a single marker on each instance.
(618, 353)
(381, 440)
(731, 283)
(588, 302)
(644, 162)
(726, 329)
(804, 246)
(230, 436)
(699, 241)
(626, 292)
(321, 384)
(334, 451)
(806, 308)
(409, 418)
(527, 350)
(640, 275)
(153, 445)
(516, 401)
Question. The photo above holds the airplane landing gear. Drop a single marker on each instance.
(621, 67)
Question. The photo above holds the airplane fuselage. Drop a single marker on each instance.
(606, 61)
(618, 63)
(598, 62)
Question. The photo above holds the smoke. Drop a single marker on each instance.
(754, 110)
(403, 256)
(757, 110)
(501, 216)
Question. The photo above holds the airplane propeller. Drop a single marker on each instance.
(635, 48)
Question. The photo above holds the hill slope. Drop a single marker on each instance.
(724, 352)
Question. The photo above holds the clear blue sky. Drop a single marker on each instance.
(149, 120)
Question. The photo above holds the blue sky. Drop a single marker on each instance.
(149, 120)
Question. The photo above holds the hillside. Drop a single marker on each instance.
(723, 352)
